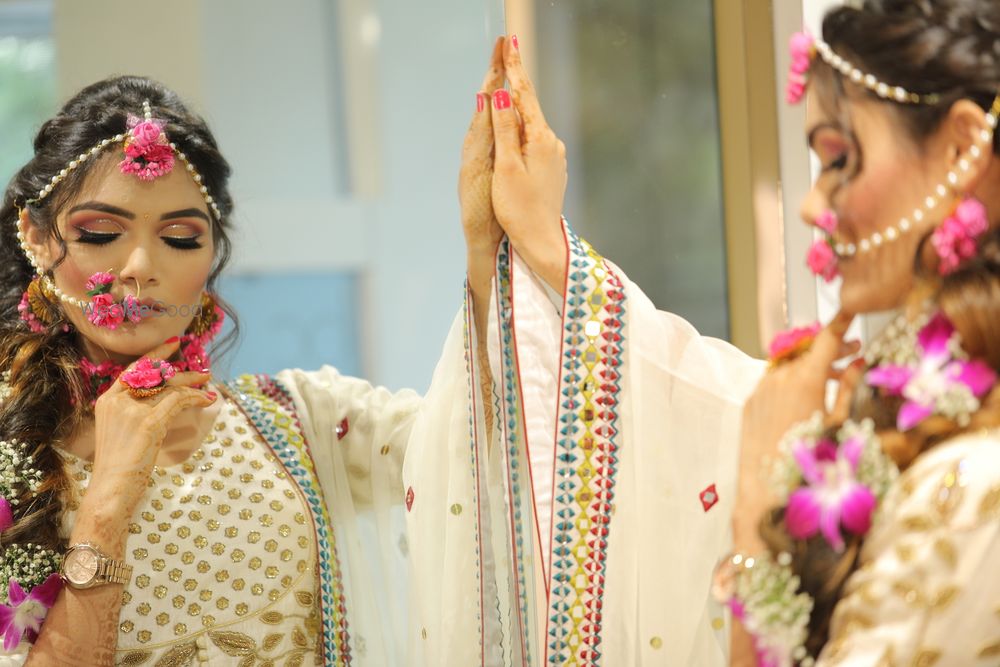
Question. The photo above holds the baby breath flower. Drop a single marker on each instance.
(17, 472)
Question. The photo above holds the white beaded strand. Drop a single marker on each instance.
(869, 81)
(844, 250)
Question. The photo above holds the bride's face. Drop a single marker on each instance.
(873, 174)
(156, 239)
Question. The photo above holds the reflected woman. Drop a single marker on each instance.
(148, 514)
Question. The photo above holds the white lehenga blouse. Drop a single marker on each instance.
(224, 558)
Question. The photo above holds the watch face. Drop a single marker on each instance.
(80, 566)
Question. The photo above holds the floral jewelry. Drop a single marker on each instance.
(791, 344)
(955, 240)
(29, 574)
(941, 381)
(148, 377)
(98, 378)
(103, 310)
(18, 479)
(148, 154)
(804, 47)
(831, 482)
(763, 596)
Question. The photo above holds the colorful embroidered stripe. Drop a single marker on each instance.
(586, 458)
(269, 406)
(512, 428)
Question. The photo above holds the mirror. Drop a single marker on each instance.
(343, 121)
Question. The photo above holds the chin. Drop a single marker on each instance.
(871, 296)
(129, 340)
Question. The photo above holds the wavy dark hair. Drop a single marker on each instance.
(48, 400)
(950, 48)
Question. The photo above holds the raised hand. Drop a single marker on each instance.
(529, 180)
(475, 180)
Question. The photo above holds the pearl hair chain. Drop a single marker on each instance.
(905, 224)
(869, 81)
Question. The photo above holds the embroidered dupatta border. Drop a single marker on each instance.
(586, 450)
(270, 408)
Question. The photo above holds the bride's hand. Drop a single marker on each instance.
(475, 180)
(529, 181)
(786, 395)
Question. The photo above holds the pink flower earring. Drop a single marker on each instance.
(955, 240)
(822, 259)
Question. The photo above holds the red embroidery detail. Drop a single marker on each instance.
(709, 497)
(409, 499)
(343, 428)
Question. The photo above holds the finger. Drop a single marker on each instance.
(190, 379)
(506, 131)
(829, 341)
(524, 95)
(178, 399)
(494, 77)
(849, 380)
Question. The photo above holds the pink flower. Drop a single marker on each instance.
(822, 261)
(801, 47)
(827, 221)
(148, 373)
(152, 162)
(24, 308)
(194, 354)
(938, 383)
(23, 615)
(147, 133)
(955, 239)
(832, 496)
(791, 343)
(104, 312)
(99, 283)
(6, 515)
(100, 376)
(132, 308)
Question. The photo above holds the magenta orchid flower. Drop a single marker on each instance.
(24, 612)
(833, 496)
(6, 514)
(938, 383)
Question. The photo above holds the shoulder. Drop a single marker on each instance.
(957, 483)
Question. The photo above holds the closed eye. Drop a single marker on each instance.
(182, 242)
(96, 238)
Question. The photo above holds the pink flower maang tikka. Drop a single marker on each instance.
(148, 153)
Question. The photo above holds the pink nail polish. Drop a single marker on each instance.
(211, 395)
(480, 102)
(515, 43)
(172, 339)
(501, 99)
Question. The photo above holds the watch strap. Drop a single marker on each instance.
(113, 571)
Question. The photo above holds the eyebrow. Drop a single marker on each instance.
(128, 215)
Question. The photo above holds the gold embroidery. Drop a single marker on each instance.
(926, 658)
(908, 591)
(989, 506)
(272, 617)
(904, 552)
(946, 552)
(918, 523)
(233, 643)
(944, 597)
(271, 641)
(990, 651)
(136, 658)
(950, 492)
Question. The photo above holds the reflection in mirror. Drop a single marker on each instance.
(630, 87)
(343, 120)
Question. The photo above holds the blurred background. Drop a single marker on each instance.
(344, 120)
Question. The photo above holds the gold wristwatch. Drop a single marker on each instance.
(84, 566)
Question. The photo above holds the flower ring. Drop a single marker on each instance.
(148, 377)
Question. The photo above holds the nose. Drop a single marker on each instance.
(813, 205)
(139, 267)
